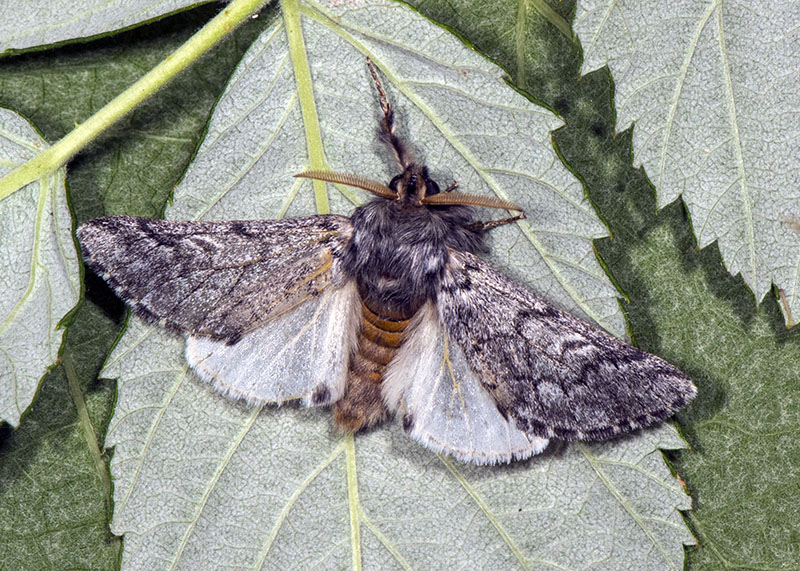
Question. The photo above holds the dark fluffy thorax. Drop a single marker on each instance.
(398, 252)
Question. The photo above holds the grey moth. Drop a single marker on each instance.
(387, 312)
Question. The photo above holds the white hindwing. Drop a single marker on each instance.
(442, 403)
(300, 354)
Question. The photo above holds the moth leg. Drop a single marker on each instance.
(451, 188)
(402, 154)
(484, 226)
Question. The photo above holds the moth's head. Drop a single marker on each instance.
(411, 187)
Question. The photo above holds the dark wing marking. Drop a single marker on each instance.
(215, 279)
(551, 372)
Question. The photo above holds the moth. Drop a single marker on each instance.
(388, 311)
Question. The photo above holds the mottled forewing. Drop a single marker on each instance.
(441, 401)
(301, 354)
(551, 372)
(215, 279)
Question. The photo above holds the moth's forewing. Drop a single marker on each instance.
(214, 279)
(557, 376)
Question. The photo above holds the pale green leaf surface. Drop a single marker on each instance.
(201, 482)
(33, 23)
(40, 278)
(713, 90)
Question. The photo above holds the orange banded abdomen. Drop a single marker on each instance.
(379, 338)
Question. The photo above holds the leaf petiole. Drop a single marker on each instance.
(206, 38)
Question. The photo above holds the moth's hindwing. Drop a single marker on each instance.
(300, 354)
(442, 403)
(551, 372)
(215, 279)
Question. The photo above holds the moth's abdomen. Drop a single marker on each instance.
(379, 338)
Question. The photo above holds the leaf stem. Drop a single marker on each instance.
(490, 515)
(305, 91)
(85, 422)
(554, 18)
(208, 36)
(355, 504)
(627, 505)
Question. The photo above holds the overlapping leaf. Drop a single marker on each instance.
(713, 90)
(40, 22)
(40, 278)
(203, 482)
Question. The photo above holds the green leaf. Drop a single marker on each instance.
(55, 500)
(36, 23)
(84, 133)
(40, 279)
(711, 87)
(743, 466)
(194, 472)
(54, 507)
(742, 469)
